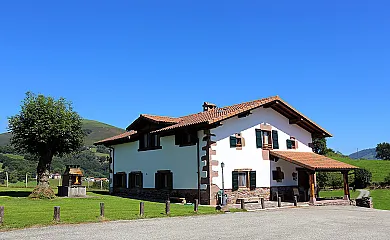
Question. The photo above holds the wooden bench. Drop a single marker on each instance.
(178, 199)
(249, 200)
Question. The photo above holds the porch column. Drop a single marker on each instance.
(312, 188)
(346, 186)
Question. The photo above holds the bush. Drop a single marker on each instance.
(387, 180)
(335, 180)
(362, 178)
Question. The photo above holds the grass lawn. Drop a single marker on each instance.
(337, 193)
(380, 197)
(23, 212)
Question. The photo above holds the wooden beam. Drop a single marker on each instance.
(295, 120)
(268, 105)
(312, 188)
(346, 186)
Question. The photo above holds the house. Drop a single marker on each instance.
(264, 145)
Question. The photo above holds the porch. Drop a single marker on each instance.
(309, 164)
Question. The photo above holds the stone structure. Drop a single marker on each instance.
(72, 183)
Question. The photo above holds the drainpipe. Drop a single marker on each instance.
(113, 156)
(198, 164)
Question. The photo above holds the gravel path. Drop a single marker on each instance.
(363, 193)
(330, 222)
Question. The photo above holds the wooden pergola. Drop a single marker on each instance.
(313, 163)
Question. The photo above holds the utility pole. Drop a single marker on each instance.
(357, 153)
(26, 180)
(6, 178)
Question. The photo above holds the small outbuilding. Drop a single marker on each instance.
(72, 183)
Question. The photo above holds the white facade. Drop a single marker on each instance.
(183, 161)
(250, 157)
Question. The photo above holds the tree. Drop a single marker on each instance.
(362, 178)
(44, 128)
(383, 151)
(319, 145)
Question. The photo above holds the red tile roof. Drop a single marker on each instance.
(122, 136)
(311, 160)
(215, 115)
(164, 119)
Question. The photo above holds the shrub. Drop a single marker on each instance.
(362, 178)
(387, 180)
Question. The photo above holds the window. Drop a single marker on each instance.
(135, 179)
(267, 139)
(186, 138)
(120, 180)
(292, 143)
(243, 179)
(149, 141)
(163, 179)
(278, 175)
(236, 141)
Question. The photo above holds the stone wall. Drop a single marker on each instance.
(364, 202)
(232, 196)
(152, 194)
(286, 192)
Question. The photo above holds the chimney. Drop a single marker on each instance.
(208, 106)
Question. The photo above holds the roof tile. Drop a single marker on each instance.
(312, 160)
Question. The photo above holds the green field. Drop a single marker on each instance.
(337, 193)
(23, 212)
(379, 168)
(380, 197)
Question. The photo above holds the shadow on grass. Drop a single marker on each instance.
(15, 193)
(101, 192)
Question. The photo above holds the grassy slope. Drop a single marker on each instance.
(99, 131)
(379, 168)
(23, 212)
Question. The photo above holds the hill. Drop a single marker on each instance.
(95, 131)
(364, 154)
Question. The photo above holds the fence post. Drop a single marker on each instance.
(279, 201)
(196, 205)
(167, 207)
(1, 215)
(101, 184)
(142, 209)
(295, 201)
(56, 214)
(262, 203)
(242, 204)
(26, 180)
(102, 209)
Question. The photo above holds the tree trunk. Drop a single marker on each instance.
(43, 173)
(43, 189)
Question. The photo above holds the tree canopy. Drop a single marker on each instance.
(319, 146)
(46, 127)
(383, 151)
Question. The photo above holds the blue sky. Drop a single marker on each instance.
(117, 59)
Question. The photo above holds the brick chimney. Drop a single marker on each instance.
(208, 106)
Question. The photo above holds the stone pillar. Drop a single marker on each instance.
(346, 186)
(312, 188)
